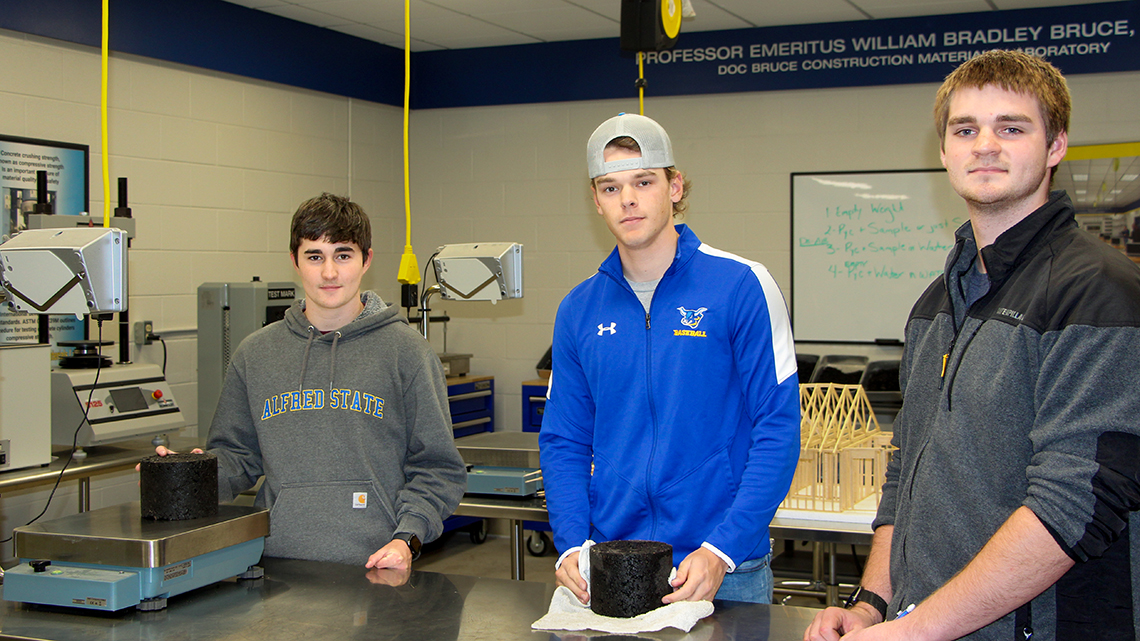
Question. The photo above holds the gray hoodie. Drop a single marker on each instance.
(351, 430)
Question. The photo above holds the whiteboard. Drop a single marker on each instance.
(864, 247)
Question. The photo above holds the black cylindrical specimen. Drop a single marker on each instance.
(177, 487)
(628, 578)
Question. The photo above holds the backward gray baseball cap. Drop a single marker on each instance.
(656, 149)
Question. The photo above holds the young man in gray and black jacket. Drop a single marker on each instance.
(1009, 508)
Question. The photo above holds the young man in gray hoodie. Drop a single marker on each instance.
(342, 407)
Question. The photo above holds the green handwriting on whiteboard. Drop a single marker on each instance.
(855, 248)
(867, 270)
(854, 212)
(862, 245)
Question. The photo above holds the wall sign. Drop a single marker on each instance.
(1094, 38)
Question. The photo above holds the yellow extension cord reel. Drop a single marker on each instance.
(671, 18)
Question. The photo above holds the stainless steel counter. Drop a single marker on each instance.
(101, 459)
(120, 536)
(516, 510)
(105, 459)
(306, 601)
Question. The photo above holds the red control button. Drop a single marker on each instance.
(156, 394)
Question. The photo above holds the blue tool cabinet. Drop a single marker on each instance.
(533, 404)
(471, 400)
(472, 403)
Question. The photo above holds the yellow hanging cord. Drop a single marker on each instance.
(103, 99)
(641, 83)
(409, 273)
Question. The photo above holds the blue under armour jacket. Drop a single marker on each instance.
(689, 415)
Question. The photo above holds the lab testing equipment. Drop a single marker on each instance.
(227, 313)
(80, 271)
(502, 463)
(471, 271)
(111, 558)
(490, 271)
(25, 427)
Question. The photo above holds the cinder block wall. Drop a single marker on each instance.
(218, 163)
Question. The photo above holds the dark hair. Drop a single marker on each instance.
(333, 217)
(629, 144)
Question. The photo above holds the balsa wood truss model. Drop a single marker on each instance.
(843, 452)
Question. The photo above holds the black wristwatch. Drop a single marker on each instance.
(870, 598)
(414, 545)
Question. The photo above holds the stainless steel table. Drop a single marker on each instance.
(504, 449)
(825, 531)
(100, 459)
(306, 600)
(104, 459)
(516, 510)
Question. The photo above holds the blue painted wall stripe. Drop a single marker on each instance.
(226, 37)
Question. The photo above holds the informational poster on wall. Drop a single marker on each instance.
(67, 193)
(865, 245)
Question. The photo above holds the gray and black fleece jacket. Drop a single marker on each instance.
(351, 430)
(1037, 404)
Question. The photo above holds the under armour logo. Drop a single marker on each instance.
(611, 329)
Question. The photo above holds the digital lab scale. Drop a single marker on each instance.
(502, 463)
(508, 481)
(112, 558)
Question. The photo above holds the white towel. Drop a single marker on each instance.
(566, 612)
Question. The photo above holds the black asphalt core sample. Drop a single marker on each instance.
(177, 487)
(628, 578)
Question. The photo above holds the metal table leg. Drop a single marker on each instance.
(84, 493)
(517, 543)
(832, 576)
(817, 563)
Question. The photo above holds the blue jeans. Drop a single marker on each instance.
(751, 582)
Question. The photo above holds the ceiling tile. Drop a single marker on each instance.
(555, 23)
(896, 9)
(303, 14)
(258, 4)
(455, 24)
(712, 18)
(1033, 4)
(370, 12)
(607, 8)
(770, 14)
(372, 33)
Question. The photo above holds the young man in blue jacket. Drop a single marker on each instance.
(1010, 506)
(673, 411)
